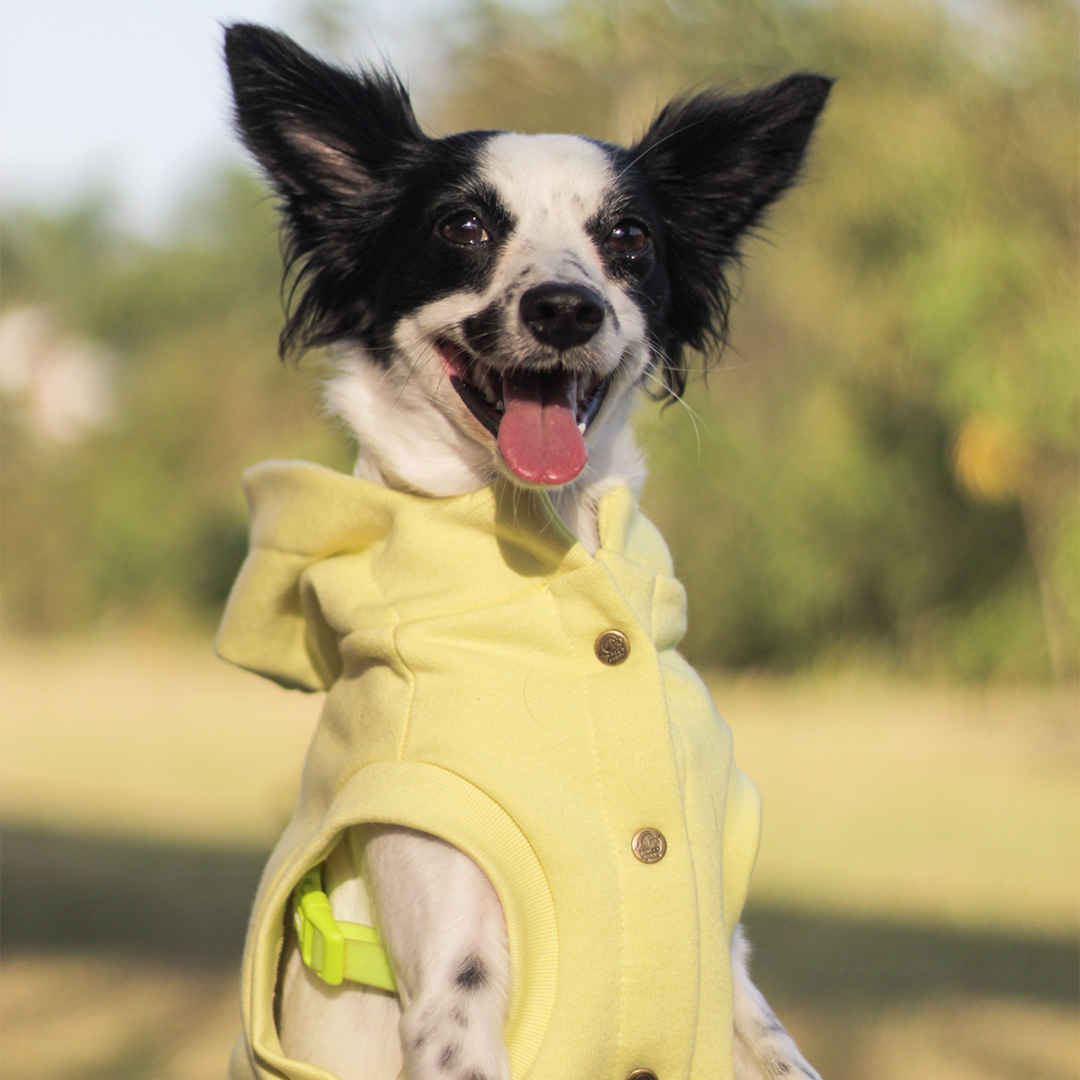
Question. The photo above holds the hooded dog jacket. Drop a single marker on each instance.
(467, 697)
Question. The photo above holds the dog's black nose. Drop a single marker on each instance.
(562, 315)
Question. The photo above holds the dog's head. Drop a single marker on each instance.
(498, 298)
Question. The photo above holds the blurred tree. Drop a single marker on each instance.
(145, 519)
(887, 462)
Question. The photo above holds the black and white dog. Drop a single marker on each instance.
(497, 303)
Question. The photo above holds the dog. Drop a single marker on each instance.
(497, 305)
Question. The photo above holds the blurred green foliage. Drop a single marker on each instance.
(883, 467)
(144, 519)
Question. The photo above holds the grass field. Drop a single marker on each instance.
(914, 907)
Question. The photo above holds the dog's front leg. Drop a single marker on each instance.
(763, 1049)
(445, 933)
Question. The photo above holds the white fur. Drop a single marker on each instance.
(414, 430)
(763, 1049)
(436, 910)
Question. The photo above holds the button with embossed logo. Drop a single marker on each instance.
(649, 845)
(612, 647)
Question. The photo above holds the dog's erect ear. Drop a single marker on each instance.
(332, 144)
(714, 164)
(318, 131)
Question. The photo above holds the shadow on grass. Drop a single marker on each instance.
(61, 892)
(832, 960)
(189, 906)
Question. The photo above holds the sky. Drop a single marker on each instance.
(131, 95)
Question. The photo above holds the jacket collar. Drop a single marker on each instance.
(311, 510)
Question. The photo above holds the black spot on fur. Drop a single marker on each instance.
(448, 1057)
(769, 1024)
(459, 1017)
(482, 329)
(471, 975)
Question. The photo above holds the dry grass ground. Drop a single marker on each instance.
(925, 804)
(103, 1017)
(914, 907)
(147, 738)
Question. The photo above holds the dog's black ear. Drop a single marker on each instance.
(714, 163)
(318, 131)
(334, 146)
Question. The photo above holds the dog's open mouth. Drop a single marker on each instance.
(538, 418)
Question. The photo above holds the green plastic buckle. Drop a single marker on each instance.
(334, 950)
(322, 944)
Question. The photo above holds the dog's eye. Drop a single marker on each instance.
(628, 237)
(463, 228)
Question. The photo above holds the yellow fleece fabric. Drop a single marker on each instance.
(455, 638)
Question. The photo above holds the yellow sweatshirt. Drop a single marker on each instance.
(468, 697)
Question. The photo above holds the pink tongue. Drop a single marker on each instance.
(538, 434)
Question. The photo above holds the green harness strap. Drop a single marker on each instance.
(337, 950)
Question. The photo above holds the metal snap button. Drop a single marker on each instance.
(612, 647)
(649, 845)
(642, 1074)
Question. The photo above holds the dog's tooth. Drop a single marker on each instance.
(483, 384)
(581, 427)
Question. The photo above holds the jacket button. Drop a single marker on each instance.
(612, 647)
(649, 846)
(642, 1074)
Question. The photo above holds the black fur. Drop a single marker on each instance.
(712, 165)
(363, 191)
(355, 175)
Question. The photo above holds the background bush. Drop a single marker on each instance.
(881, 470)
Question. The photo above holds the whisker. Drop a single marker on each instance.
(695, 418)
(655, 145)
